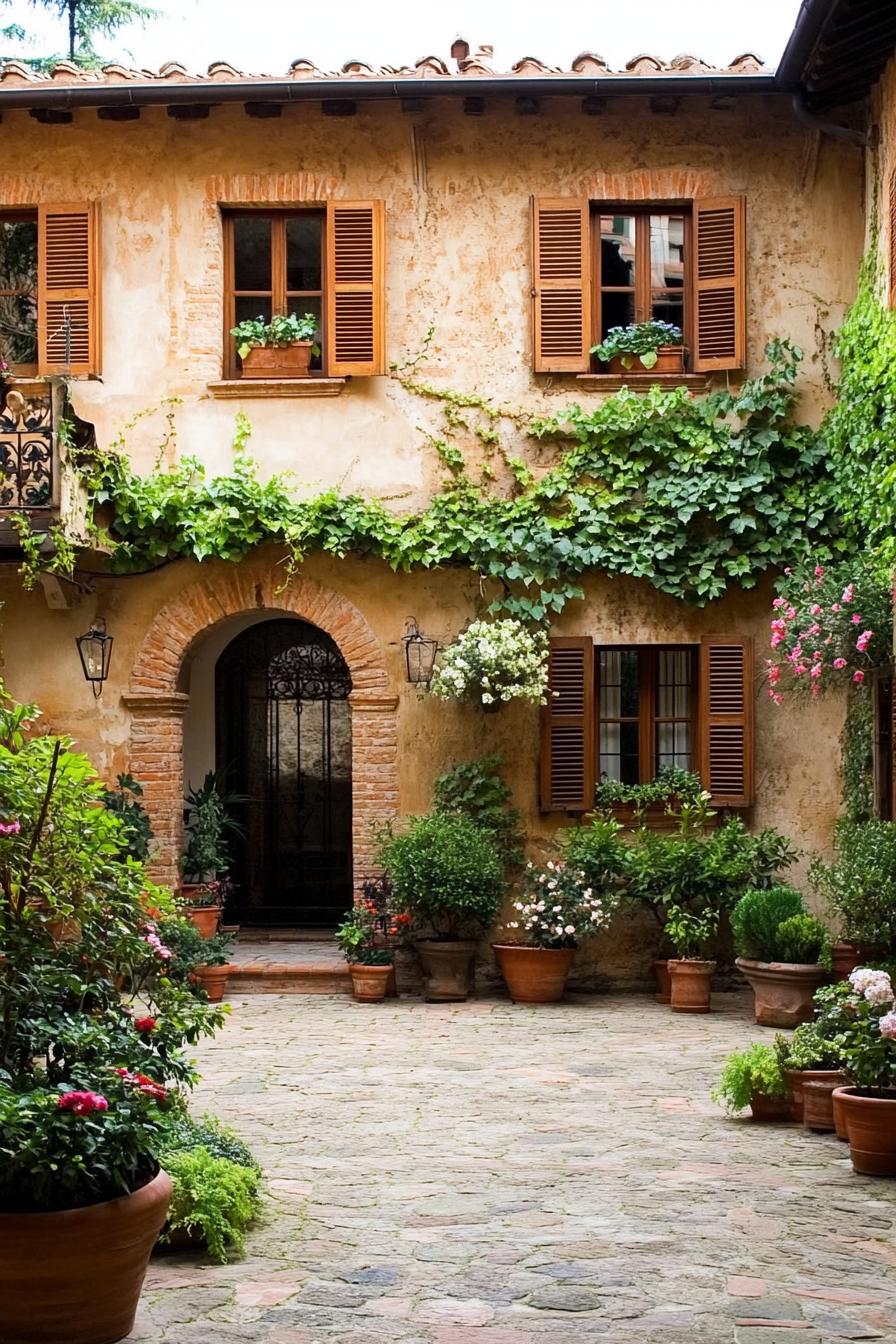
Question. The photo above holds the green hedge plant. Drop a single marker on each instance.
(213, 1199)
(859, 886)
(755, 1071)
(446, 874)
(759, 916)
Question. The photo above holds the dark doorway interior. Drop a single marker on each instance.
(283, 739)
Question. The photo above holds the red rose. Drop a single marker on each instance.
(145, 1024)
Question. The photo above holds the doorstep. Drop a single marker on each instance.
(286, 962)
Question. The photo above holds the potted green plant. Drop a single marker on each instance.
(281, 348)
(690, 932)
(859, 888)
(653, 345)
(558, 906)
(198, 961)
(447, 875)
(808, 1057)
(124, 801)
(868, 1044)
(216, 1185)
(493, 662)
(208, 825)
(753, 1078)
(783, 952)
(370, 962)
(85, 1075)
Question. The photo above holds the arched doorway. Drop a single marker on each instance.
(283, 741)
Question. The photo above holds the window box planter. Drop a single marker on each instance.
(669, 359)
(534, 974)
(76, 1275)
(782, 990)
(278, 361)
(871, 1130)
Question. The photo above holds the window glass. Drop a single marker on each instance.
(619, 699)
(619, 752)
(617, 250)
(617, 310)
(250, 306)
(303, 252)
(674, 699)
(667, 268)
(252, 252)
(18, 290)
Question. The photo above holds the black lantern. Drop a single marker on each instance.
(420, 654)
(95, 650)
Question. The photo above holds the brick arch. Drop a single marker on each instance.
(157, 699)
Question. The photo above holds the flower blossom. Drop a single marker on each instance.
(82, 1103)
(848, 593)
(819, 571)
(887, 1026)
(815, 670)
(815, 608)
(858, 677)
(839, 663)
(154, 941)
(10, 827)
(147, 1024)
(864, 640)
(875, 986)
(856, 618)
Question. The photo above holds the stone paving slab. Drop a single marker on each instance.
(486, 1173)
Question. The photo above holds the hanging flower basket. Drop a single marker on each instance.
(492, 663)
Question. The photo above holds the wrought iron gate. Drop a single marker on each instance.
(283, 728)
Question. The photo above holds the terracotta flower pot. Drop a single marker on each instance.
(839, 1117)
(370, 983)
(691, 985)
(769, 1109)
(447, 969)
(818, 1108)
(204, 919)
(782, 990)
(663, 981)
(278, 361)
(871, 1130)
(796, 1078)
(213, 980)
(75, 1277)
(669, 359)
(534, 974)
(845, 957)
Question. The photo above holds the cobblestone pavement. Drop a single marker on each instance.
(491, 1174)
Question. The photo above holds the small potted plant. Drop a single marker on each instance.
(557, 908)
(689, 932)
(753, 1078)
(810, 1057)
(783, 951)
(868, 1045)
(447, 875)
(281, 348)
(361, 940)
(198, 961)
(652, 345)
(493, 662)
(860, 890)
(207, 853)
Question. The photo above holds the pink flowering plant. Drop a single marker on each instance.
(93, 1029)
(859, 1015)
(559, 905)
(831, 625)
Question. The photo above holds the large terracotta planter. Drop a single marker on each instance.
(534, 974)
(663, 981)
(818, 1107)
(839, 1117)
(795, 1080)
(691, 985)
(213, 980)
(278, 361)
(75, 1277)
(782, 990)
(370, 984)
(447, 969)
(771, 1110)
(871, 1130)
(845, 957)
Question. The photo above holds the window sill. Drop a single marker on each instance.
(277, 387)
(640, 382)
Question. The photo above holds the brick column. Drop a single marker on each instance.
(374, 773)
(157, 762)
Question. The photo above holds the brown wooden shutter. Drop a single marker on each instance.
(567, 728)
(68, 289)
(355, 284)
(561, 286)
(719, 271)
(726, 719)
(891, 253)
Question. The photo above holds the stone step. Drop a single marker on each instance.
(272, 977)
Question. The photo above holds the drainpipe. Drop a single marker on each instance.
(862, 139)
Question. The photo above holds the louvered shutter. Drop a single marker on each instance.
(68, 287)
(355, 288)
(719, 270)
(891, 213)
(561, 286)
(726, 719)
(567, 728)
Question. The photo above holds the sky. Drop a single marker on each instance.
(264, 36)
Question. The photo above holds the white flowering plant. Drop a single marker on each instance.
(494, 662)
(860, 1017)
(557, 906)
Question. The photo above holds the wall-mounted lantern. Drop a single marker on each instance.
(420, 654)
(95, 651)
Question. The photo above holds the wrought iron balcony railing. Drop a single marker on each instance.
(28, 466)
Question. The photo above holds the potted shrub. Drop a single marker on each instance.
(558, 906)
(691, 974)
(199, 962)
(868, 1044)
(208, 824)
(753, 1078)
(370, 963)
(860, 890)
(493, 662)
(281, 348)
(648, 345)
(783, 952)
(447, 875)
(810, 1055)
(85, 1077)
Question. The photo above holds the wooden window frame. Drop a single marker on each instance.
(641, 210)
(278, 293)
(32, 214)
(648, 719)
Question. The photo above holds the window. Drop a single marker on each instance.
(18, 290)
(882, 744)
(638, 267)
(275, 267)
(327, 260)
(645, 711)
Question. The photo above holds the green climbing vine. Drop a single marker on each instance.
(690, 494)
(856, 760)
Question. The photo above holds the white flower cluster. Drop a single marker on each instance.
(559, 907)
(874, 986)
(497, 661)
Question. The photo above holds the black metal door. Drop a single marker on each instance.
(283, 727)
